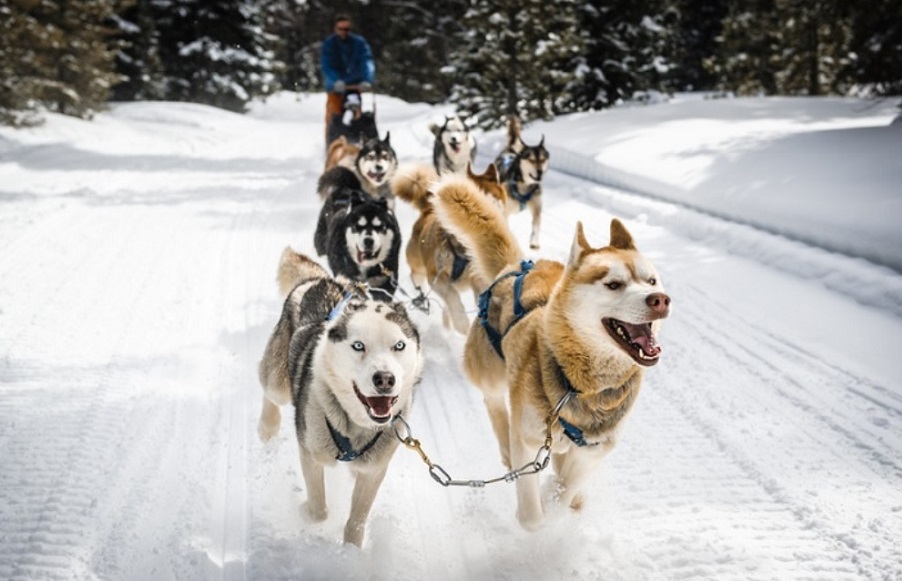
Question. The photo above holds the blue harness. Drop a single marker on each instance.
(495, 337)
(523, 198)
(519, 312)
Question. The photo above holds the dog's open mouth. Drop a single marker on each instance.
(455, 146)
(364, 255)
(637, 340)
(378, 407)
(376, 176)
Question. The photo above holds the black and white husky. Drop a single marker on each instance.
(454, 148)
(372, 170)
(360, 238)
(349, 365)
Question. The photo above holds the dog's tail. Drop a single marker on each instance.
(479, 224)
(412, 183)
(514, 129)
(294, 269)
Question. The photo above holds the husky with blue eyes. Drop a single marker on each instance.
(349, 364)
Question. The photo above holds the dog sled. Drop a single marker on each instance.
(356, 124)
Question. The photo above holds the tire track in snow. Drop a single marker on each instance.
(804, 435)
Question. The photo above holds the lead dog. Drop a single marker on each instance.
(436, 259)
(576, 335)
(349, 365)
(521, 168)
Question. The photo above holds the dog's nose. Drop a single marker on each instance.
(659, 303)
(384, 381)
(368, 243)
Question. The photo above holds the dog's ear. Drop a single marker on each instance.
(580, 244)
(542, 142)
(620, 236)
(386, 141)
(491, 173)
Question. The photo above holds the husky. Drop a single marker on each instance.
(360, 237)
(373, 167)
(575, 336)
(349, 365)
(521, 168)
(436, 259)
(454, 148)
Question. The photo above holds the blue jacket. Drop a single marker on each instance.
(348, 60)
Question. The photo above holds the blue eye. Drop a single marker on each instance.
(400, 345)
(358, 346)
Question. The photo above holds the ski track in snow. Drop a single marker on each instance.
(129, 401)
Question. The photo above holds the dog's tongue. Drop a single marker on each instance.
(642, 336)
(380, 406)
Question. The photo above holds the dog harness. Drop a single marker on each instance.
(572, 432)
(339, 307)
(519, 311)
(523, 198)
(346, 452)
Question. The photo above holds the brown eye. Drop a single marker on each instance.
(652, 281)
(613, 285)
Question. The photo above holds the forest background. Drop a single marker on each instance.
(538, 58)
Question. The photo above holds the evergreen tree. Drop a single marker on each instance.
(138, 54)
(876, 64)
(516, 58)
(22, 70)
(417, 45)
(696, 25)
(787, 47)
(627, 51)
(216, 51)
(56, 55)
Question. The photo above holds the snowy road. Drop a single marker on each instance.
(138, 292)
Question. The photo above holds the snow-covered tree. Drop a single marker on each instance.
(216, 52)
(876, 63)
(516, 57)
(786, 47)
(138, 55)
(55, 54)
(627, 51)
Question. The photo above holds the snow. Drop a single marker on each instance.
(138, 293)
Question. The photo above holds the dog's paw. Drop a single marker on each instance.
(314, 513)
(354, 534)
(267, 431)
(529, 520)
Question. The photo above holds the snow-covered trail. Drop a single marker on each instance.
(137, 298)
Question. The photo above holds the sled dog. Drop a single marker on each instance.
(436, 259)
(577, 334)
(454, 148)
(360, 238)
(349, 365)
(521, 168)
(373, 167)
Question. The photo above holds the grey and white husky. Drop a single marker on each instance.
(454, 148)
(349, 364)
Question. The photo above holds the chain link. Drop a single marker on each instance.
(440, 475)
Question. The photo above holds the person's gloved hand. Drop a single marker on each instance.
(338, 87)
(364, 86)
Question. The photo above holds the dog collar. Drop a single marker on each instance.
(346, 452)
